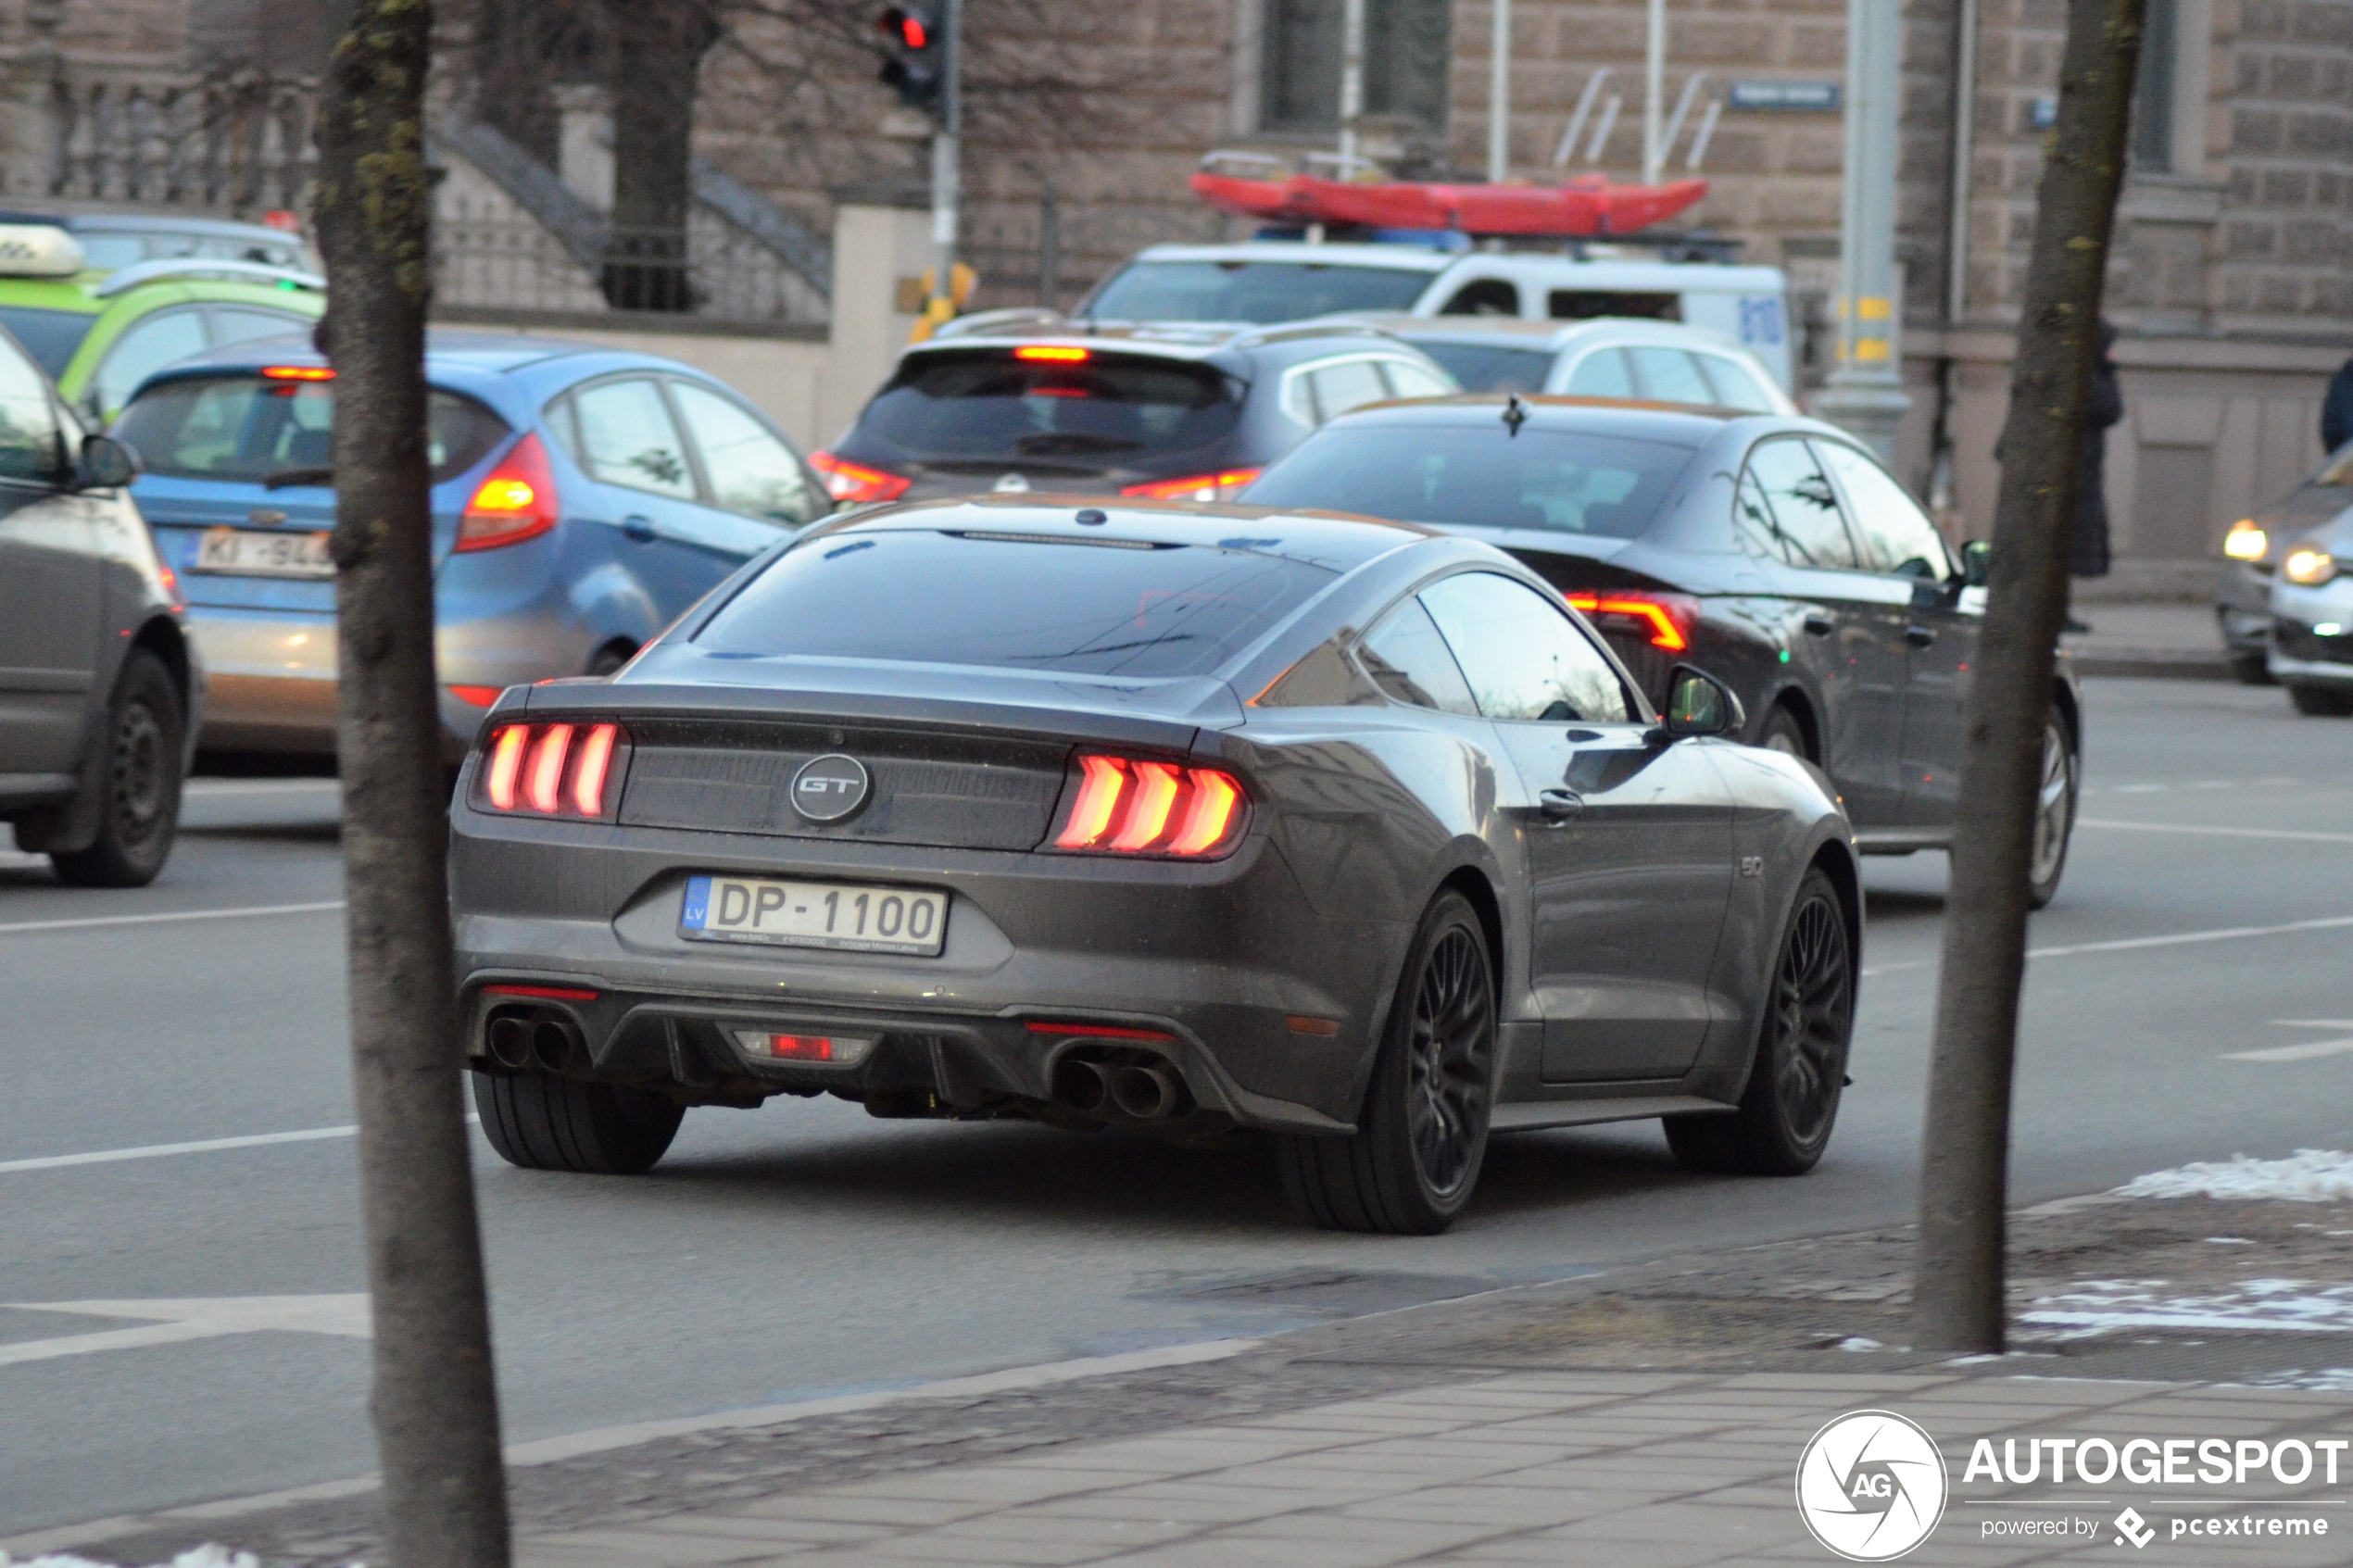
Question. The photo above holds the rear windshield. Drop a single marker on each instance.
(1251, 291)
(1102, 411)
(1010, 601)
(1482, 366)
(1478, 475)
(50, 337)
(249, 428)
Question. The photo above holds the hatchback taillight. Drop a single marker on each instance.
(1130, 805)
(855, 481)
(516, 502)
(552, 770)
(1221, 486)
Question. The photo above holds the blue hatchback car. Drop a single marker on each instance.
(583, 499)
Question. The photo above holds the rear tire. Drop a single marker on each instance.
(2321, 702)
(1782, 733)
(1786, 1113)
(2062, 783)
(545, 1121)
(138, 805)
(1411, 1166)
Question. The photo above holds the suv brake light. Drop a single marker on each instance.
(1126, 806)
(516, 502)
(853, 481)
(1664, 621)
(552, 770)
(1222, 486)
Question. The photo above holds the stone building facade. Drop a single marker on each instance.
(2233, 281)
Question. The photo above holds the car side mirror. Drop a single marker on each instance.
(106, 464)
(1977, 563)
(1698, 703)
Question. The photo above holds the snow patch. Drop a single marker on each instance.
(2276, 1305)
(2310, 1175)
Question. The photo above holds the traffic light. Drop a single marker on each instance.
(917, 64)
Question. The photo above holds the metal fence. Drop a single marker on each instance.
(711, 270)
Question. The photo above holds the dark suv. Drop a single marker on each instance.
(1170, 411)
(1770, 550)
(99, 689)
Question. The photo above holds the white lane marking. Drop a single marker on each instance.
(2218, 833)
(2184, 938)
(254, 912)
(2305, 1052)
(159, 1150)
(203, 1145)
(2142, 789)
(198, 1318)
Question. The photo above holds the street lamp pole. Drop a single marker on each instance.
(1352, 81)
(1499, 98)
(946, 165)
(1866, 390)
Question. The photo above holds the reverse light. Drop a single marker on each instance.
(1123, 805)
(2308, 568)
(515, 503)
(2245, 541)
(1222, 486)
(1054, 353)
(1664, 620)
(552, 770)
(853, 481)
(297, 372)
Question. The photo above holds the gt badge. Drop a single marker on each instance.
(829, 788)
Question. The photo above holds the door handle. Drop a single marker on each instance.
(638, 528)
(1560, 804)
(1819, 625)
(1918, 636)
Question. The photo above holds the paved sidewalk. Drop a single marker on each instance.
(2170, 641)
(1636, 1470)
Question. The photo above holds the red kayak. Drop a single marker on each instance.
(1585, 207)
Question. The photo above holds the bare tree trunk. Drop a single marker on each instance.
(1964, 1187)
(658, 47)
(435, 1402)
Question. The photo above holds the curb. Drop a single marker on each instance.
(2153, 664)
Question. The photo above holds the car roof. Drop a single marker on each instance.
(1681, 424)
(1401, 258)
(486, 352)
(1552, 335)
(1581, 270)
(1174, 340)
(1337, 541)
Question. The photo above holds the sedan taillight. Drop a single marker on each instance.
(1125, 805)
(552, 770)
(1664, 621)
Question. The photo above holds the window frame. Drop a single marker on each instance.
(1853, 516)
(577, 449)
(1748, 463)
(1638, 712)
(707, 490)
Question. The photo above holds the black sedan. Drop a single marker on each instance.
(1771, 550)
(1175, 819)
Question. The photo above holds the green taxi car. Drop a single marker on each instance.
(100, 333)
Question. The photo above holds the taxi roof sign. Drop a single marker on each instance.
(38, 250)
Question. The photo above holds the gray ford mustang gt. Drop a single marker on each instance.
(1179, 818)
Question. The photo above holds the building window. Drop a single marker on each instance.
(2153, 89)
(1407, 51)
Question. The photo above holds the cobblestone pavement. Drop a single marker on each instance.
(1654, 1417)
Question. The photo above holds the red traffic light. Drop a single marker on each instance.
(910, 27)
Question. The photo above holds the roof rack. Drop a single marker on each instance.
(197, 266)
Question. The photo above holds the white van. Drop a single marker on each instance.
(1290, 279)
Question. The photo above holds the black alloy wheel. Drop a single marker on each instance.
(140, 810)
(1782, 732)
(1411, 1168)
(1784, 1119)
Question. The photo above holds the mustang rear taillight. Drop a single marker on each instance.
(1664, 621)
(552, 770)
(1127, 806)
(516, 502)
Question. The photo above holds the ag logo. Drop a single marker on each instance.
(1870, 1485)
(829, 788)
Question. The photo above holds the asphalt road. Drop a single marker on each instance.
(804, 1249)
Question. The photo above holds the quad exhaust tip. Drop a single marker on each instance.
(1144, 1094)
(519, 1042)
(1082, 1086)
